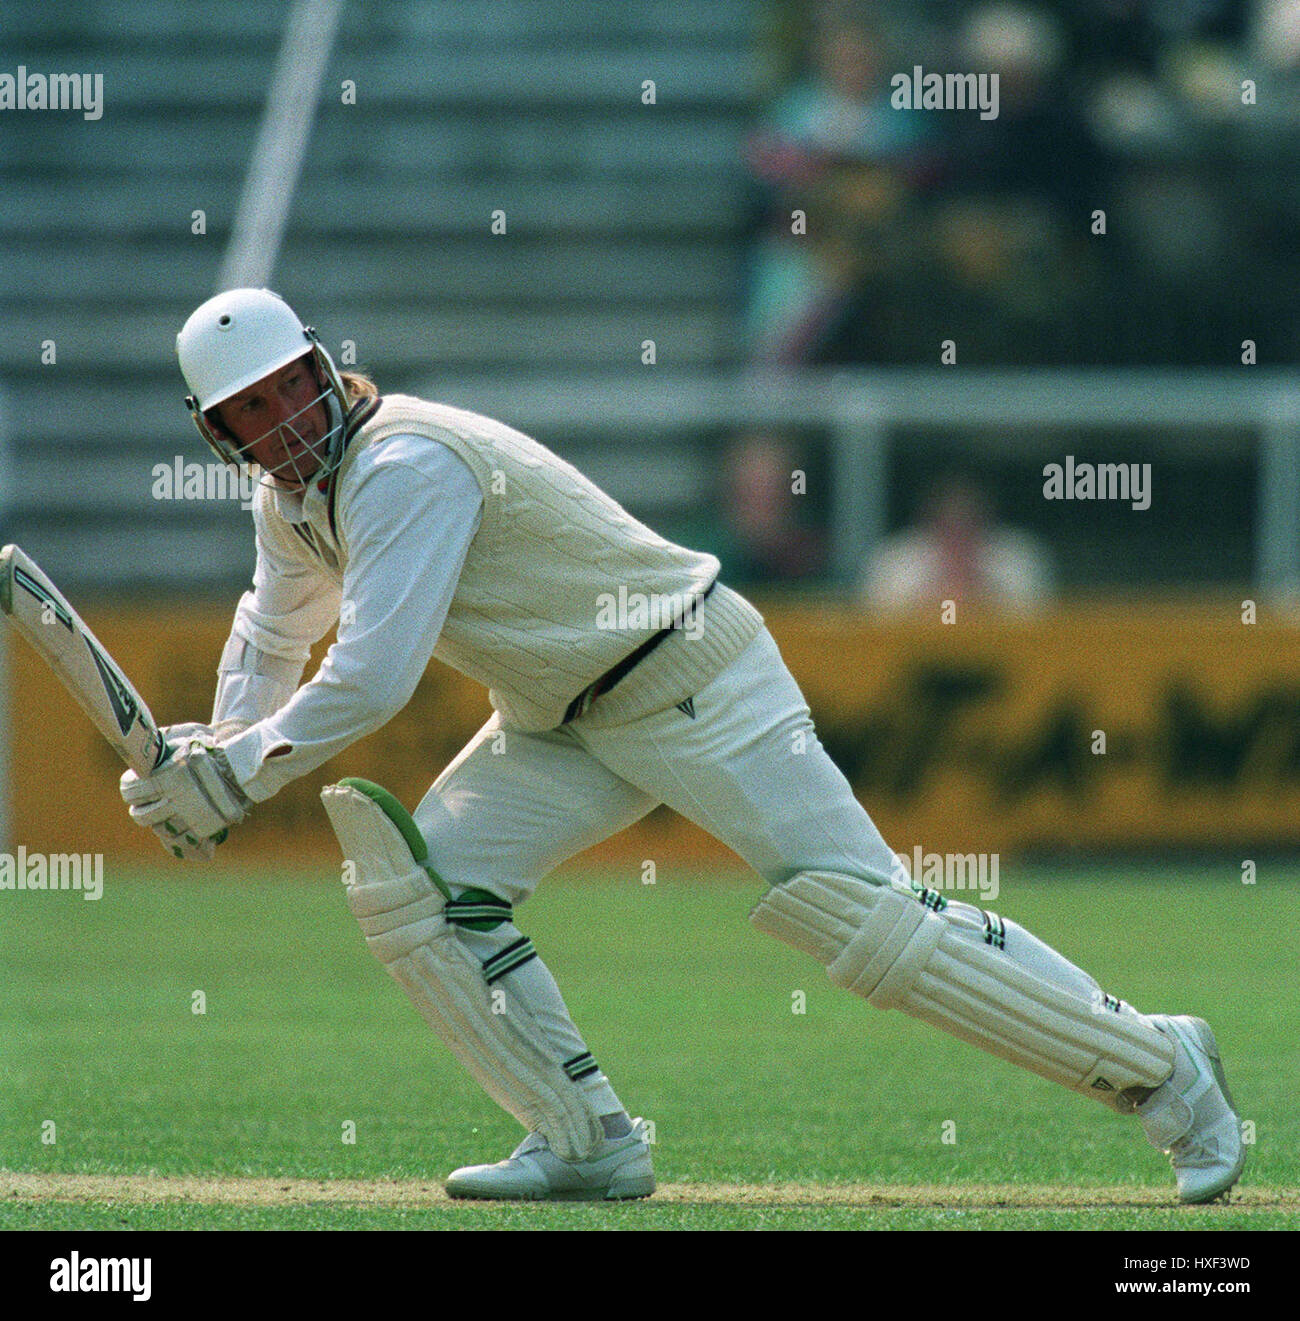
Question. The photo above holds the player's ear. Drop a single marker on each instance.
(214, 419)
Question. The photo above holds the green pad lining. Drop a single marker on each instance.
(404, 822)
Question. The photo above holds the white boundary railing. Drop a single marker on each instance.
(862, 410)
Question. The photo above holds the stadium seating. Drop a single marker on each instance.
(621, 220)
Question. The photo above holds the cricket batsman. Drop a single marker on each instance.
(423, 531)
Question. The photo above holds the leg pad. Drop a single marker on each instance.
(985, 980)
(402, 914)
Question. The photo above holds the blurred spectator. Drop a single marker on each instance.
(764, 538)
(1038, 149)
(957, 553)
(833, 148)
(1012, 239)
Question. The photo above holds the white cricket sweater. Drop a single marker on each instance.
(454, 536)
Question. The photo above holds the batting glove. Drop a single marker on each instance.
(222, 733)
(188, 848)
(170, 835)
(189, 801)
(175, 735)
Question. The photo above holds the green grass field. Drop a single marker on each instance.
(838, 1117)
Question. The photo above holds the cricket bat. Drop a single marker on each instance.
(41, 613)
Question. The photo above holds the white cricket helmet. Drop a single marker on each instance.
(235, 339)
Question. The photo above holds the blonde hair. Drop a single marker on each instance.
(358, 386)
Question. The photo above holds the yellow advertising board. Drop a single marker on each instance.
(1096, 728)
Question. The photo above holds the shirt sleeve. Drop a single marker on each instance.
(291, 607)
(407, 515)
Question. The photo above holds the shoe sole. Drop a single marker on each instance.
(622, 1187)
(630, 1189)
(1205, 1040)
(629, 1192)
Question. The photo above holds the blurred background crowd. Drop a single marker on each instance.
(927, 226)
(1130, 205)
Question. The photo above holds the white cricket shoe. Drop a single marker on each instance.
(1191, 1115)
(619, 1168)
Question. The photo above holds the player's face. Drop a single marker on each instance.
(278, 419)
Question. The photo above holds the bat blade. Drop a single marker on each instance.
(42, 614)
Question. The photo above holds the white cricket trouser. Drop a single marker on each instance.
(748, 768)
